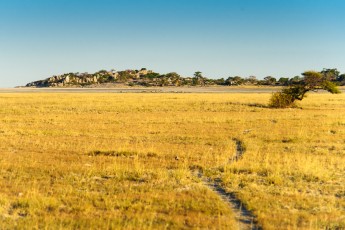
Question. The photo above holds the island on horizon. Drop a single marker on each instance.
(149, 78)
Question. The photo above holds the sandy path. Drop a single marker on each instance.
(246, 219)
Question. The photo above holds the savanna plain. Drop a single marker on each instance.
(125, 160)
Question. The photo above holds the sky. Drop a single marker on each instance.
(220, 38)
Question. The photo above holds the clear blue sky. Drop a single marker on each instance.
(221, 38)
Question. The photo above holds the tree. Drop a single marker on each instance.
(151, 75)
(198, 79)
(341, 79)
(198, 74)
(252, 80)
(330, 74)
(295, 80)
(124, 76)
(269, 80)
(312, 81)
(220, 81)
(283, 81)
(237, 80)
(173, 75)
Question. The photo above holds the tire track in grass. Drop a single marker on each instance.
(246, 219)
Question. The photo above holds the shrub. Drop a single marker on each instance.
(281, 100)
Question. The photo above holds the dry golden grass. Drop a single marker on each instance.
(291, 176)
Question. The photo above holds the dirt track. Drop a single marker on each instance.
(246, 219)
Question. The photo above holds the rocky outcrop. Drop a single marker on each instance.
(105, 78)
(84, 79)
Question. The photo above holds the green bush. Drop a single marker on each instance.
(281, 100)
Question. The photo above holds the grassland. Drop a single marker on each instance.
(103, 161)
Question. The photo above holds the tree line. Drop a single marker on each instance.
(198, 79)
(332, 74)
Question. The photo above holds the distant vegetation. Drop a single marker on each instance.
(146, 77)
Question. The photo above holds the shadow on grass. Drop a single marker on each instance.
(258, 105)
